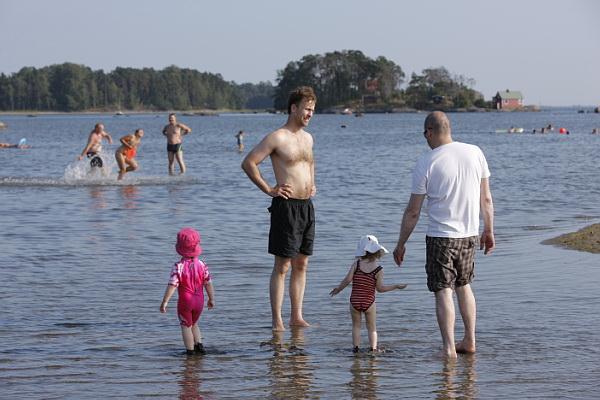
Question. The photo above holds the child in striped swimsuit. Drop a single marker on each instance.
(190, 277)
(365, 275)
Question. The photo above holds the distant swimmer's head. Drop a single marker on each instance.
(188, 243)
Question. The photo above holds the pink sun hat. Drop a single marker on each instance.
(188, 243)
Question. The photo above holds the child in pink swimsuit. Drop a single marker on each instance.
(366, 276)
(190, 276)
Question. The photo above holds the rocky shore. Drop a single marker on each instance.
(586, 239)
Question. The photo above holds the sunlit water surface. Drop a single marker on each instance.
(85, 260)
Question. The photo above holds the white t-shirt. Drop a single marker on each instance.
(450, 175)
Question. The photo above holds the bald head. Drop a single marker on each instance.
(437, 129)
(438, 122)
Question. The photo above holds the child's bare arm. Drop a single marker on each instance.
(168, 293)
(211, 295)
(381, 288)
(345, 282)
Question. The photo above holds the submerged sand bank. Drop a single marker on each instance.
(586, 239)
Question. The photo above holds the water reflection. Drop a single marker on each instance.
(130, 195)
(176, 203)
(189, 381)
(97, 196)
(458, 379)
(289, 369)
(364, 377)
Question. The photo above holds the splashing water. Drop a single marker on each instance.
(80, 171)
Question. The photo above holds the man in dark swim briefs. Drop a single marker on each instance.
(291, 235)
(174, 148)
(174, 133)
(94, 146)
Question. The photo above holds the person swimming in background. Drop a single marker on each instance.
(240, 140)
(366, 276)
(94, 145)
(125, 155)
(21, 145)
(190, 277)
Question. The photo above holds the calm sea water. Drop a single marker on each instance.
(84, 263)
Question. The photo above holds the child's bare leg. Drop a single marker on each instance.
(197, 334)
(356, 320)
(371, 318)
(188, 337)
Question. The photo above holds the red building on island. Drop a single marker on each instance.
(508, 100)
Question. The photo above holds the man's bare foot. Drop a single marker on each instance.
(299, 322)
(447, 355)
(465, 348)
(278, 326)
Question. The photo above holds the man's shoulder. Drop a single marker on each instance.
(279, 134)
(467, 146)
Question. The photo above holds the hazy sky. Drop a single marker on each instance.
(548, 49)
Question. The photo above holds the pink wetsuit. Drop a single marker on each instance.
(189, 276)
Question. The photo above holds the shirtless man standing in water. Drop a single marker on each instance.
(292, 215)
(94, 145)
(174, 132)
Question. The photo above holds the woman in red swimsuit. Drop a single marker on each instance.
(126, 153)
(366, 275)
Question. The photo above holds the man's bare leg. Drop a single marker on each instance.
(179, 157)
(297, 285)
(171, 156)
(444, 310)
(276, 291)
(468, 312)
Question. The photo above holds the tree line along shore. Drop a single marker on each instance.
(341, 79)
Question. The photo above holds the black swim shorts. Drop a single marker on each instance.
(95, 160)
(450, 262)
(292, 227)
(174, 148)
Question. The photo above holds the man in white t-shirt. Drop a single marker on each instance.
(453, 177)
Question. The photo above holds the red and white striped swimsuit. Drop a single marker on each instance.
(363, 288)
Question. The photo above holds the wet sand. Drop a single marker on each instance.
(586, 239)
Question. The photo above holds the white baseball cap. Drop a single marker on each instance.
(368, 243)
